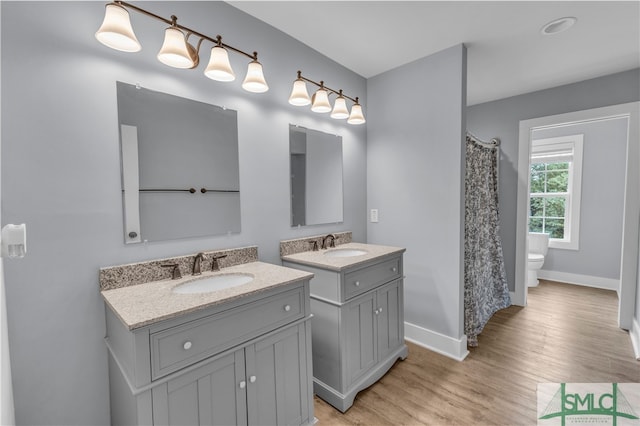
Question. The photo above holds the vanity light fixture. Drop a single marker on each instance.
(117, 33)
(320, 100)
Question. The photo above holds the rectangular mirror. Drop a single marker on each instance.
(180, 173)
(316, 177)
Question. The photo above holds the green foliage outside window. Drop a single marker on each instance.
(548, 198)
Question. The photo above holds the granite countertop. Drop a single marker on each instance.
(144, 304)
(320, 260)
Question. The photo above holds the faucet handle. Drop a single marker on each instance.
(314, 245)
(175, 273)
(215, 266)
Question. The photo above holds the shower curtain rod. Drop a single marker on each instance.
(494, 141)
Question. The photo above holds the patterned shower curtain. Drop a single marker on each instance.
(485, 282)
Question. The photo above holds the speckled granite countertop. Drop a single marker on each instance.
(320, 260)
(145, 304)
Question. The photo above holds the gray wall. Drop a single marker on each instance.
(636, 317)
(602, 204)
(501, 118)
(414, 178)
(61, 175)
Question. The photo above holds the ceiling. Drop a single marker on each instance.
(506, 53)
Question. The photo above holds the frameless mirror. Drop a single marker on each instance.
(316, 176)
(180, 173)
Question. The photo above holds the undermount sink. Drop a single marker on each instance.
(346, 252)
(214, 283)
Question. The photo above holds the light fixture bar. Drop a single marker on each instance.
(172, 22)
(117, 33)
(320, 100)
(328, 89)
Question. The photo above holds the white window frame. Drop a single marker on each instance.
(571, 240)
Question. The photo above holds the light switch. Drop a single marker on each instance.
(374, 215)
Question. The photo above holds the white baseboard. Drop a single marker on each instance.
(634, 334)
(584, 280)
(432, 340)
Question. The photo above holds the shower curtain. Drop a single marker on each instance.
(485, 282)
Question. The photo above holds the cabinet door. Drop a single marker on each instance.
(214, 394)
(360, 335)
(278, 391)
(390, 327)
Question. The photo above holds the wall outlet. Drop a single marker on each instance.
(374, 215)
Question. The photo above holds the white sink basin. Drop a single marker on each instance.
(345, 252)
(214, 283)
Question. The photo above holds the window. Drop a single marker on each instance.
(554, 189)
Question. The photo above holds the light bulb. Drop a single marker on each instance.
(116, 31)
(254, 80)
(299, 95)
(175, 50)
(340, 110)
(219, 67)
(356, 116)
(320, 101)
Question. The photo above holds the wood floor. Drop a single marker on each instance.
(567, 333)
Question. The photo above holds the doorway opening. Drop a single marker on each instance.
(628, 262)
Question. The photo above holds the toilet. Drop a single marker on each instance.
(538, 245)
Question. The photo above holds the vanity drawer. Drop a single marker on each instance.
(181, 346)
(365, 279)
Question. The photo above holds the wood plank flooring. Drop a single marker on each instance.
(567, 333)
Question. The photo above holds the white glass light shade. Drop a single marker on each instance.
(356, 116)
(299, 95)
(320, 101)
(340, 108)
(116, 31)
(219, 67)
(254, 80)
(175, 51)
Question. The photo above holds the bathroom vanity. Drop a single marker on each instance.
(358, 316)
(240, 355)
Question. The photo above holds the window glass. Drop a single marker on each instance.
(557, 181)
(554, 189)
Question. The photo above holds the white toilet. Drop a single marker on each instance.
(538, 245)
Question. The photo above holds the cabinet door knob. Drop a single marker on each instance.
(394, 269)
(357, 283)
(287, 308)
(243, 384)
(252, 379)
(376, 312)
(379, 310)
(187, 346)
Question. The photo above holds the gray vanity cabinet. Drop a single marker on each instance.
(375, 318)
(262, 384)
(245, 362)
(208, 395)
(357, 326)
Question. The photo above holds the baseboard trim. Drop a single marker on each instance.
(584, 280)
(437, 342)
(634, 334)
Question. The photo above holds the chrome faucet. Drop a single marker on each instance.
(196, 264)
(215, 266)
(333, 241)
